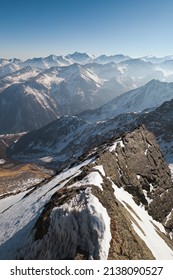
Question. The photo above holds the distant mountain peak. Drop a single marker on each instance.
(80, 57)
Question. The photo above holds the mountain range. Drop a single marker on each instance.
(71, 136)
(67, 85)
(86, 157)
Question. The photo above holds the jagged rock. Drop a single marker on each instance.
(138, 166)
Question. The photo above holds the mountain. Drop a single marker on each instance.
(24, 108)
(61, 142)
(73, 136)
(115, 203)
(47, 62)
(137, 67)
(149, 96)
(80, 88)
(154, 59)
(141, 71)
(63, 87)
(112, 58)
(57, 90)
(82, 183)
(78, 57)
(50, 94)
(70, 90)
(8, 68)
(45, 96)
(104, 71)
(19, 76)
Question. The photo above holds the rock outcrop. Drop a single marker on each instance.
(136, 164)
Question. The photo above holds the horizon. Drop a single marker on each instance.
(95, 56)
(134, 28)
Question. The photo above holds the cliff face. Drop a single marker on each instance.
(136, 164)
(115, 205)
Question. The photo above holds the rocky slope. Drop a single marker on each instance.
(116, 203)
(60, 143)
(159, 122)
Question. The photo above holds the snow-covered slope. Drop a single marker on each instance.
(45, 96)
(82, 58)
(145, 226)
(24, 108)
(8, 68)
(64, 140)
(108, 206)
(47, 62)
(58, 90)
(24, 219)
(149, 96)
(112, 58)
(18, 76)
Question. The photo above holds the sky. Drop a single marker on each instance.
(35, 28)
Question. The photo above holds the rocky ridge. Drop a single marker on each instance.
(103, 207)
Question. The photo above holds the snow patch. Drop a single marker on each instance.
(151, 187)
(100, 168)
(101, 222)
(149, 226)
(46, 159)
(171, 170)
(94, 178)
(113, 147)
(80, 222)
(146, 197)
(168, 217)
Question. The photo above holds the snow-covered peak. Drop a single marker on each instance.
(78, 71)
(112, 58)
(54, 60)
(8, 68)
(4, 61)
(70, 74)
(154, 59)
(151, 95)
(31, 71)
(80, 57)
(19, 76)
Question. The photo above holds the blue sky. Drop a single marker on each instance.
(35, 28)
